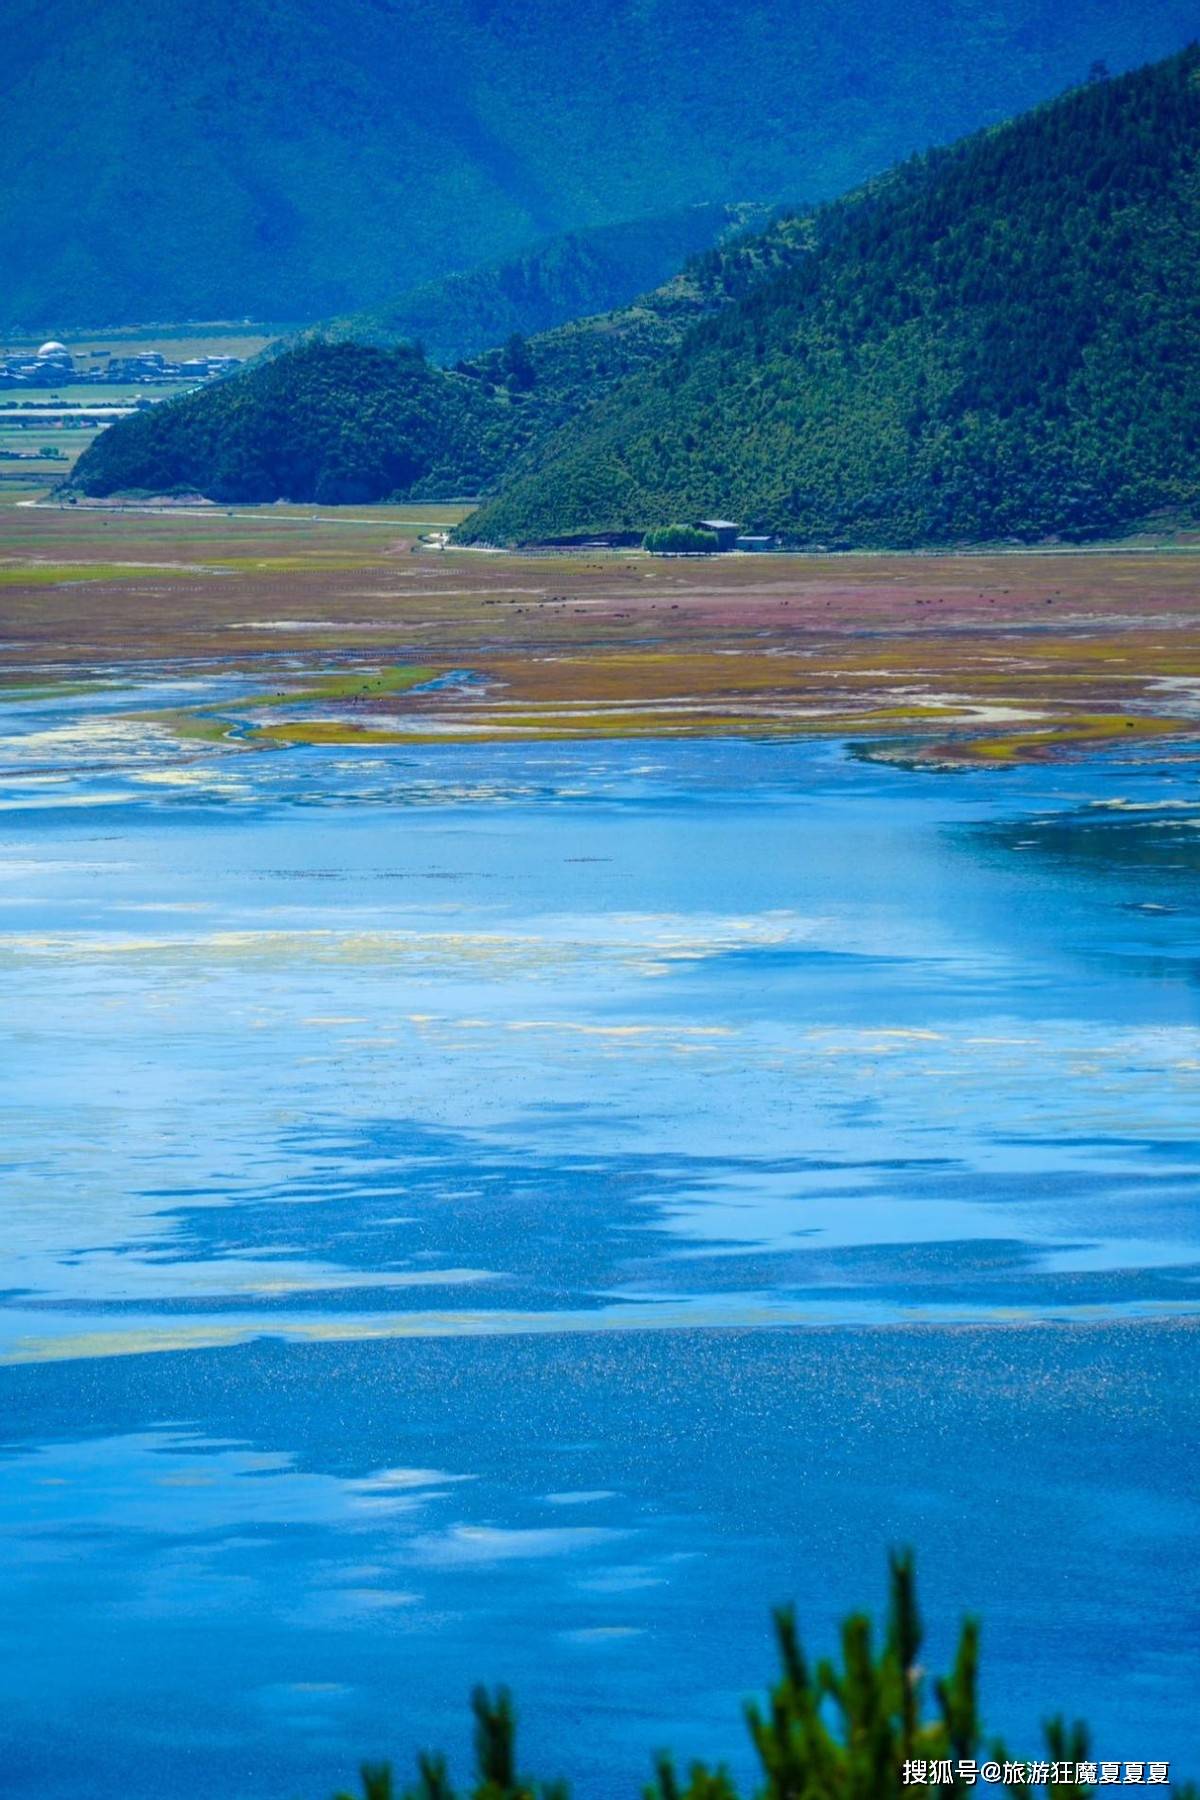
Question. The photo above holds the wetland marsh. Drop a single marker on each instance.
(553, 1103)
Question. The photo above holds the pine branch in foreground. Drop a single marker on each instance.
(851, 1728)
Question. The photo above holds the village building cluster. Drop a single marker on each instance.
(53, 365)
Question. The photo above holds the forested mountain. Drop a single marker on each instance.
(1000, 340)
(300, 159)
(333, 423)
(294, 424)
(573, 276)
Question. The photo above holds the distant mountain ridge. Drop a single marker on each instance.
(303, 159)
(573, 276)
(1002, 340)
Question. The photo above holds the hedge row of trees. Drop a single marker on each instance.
(680, 540)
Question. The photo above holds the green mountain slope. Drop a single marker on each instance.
(573, 276)
(333, 423)
(288, 426)
(299, 159)
(1001, 340)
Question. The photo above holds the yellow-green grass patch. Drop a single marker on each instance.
(1079, 732)
(55, 574)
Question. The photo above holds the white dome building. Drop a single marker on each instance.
(53, 351)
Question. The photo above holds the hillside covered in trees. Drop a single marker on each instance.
(214, 159)
(332, 423)
(291, 426)
(1001, 340)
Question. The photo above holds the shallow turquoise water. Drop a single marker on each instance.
(516, 1213)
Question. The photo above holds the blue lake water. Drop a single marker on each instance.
(516, 1213)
